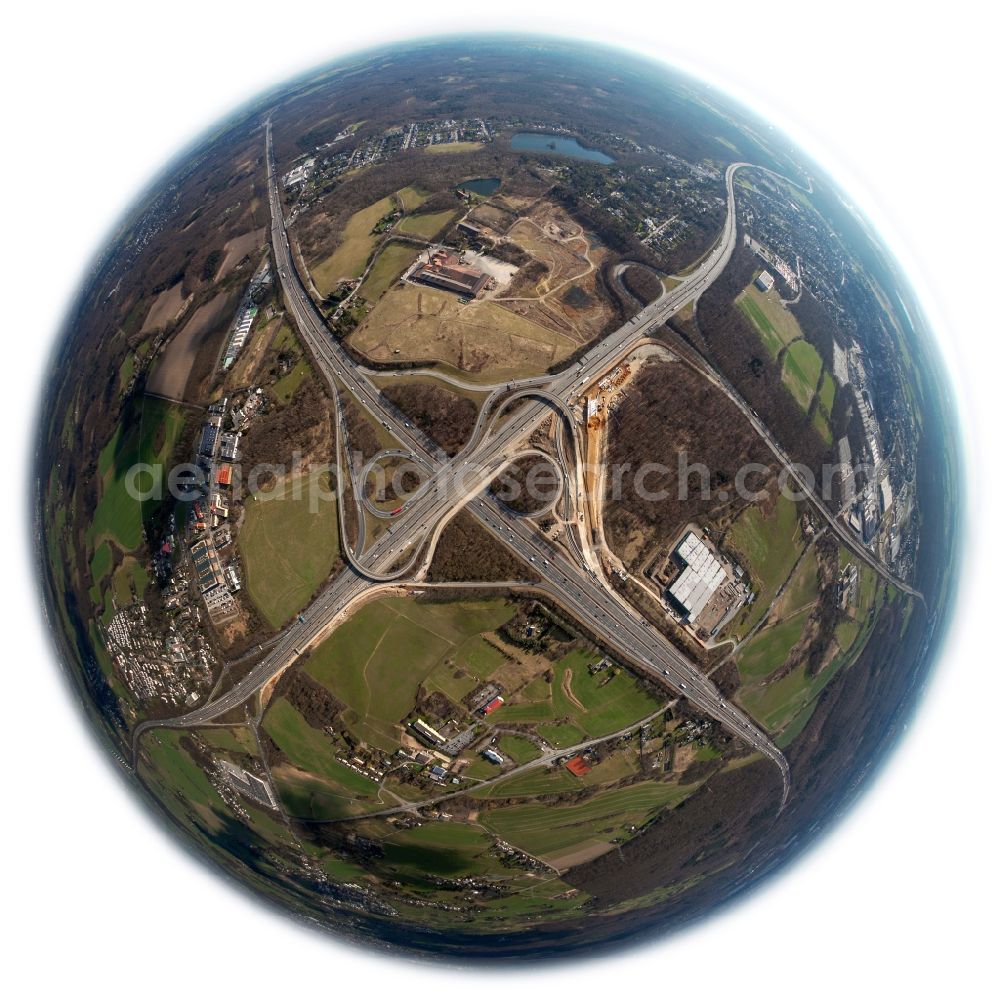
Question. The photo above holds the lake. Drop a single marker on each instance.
(563, 145)
(483, 186)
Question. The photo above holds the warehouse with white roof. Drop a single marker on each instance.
(701, 577)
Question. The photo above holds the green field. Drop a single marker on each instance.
(768, 548)
(376, 660)
(126, 371)
(867, 590)
(775, 706)
(419, 856)
(803, 587)
(411, 198)
(286, 342)
(454, 147)
(146, 433)
(846, 632)
(822, 426)
(391, 262)
(776, 326)
(610, 702)
(439, 849)
(827, 393)
(288, 385)
(800, 371)
(100, 563)
(561, 734)
(426, 226)
(552, 832)
(130, 573)
(187, 793)
(537, 781)
(356, 244)
(322, 786)
(289, 545)
(769, 648)
(517, 750)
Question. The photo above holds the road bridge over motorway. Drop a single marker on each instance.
(462, 481)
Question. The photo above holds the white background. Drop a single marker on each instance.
(898, 104)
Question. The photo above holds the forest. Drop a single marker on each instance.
(444, 416)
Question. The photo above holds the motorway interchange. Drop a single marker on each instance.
(569, 576)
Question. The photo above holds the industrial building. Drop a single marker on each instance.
(444, 270)
(427, 733)
(492, 706)
(492, 756)
(765, 281)
(248, 785)
(701, 577)
(230, 447)
(206, 565)
(209, 437)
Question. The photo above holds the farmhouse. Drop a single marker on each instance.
(445, 270)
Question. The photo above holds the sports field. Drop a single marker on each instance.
(426, 324)
(376, 661)
(356, 244)
(289, 544)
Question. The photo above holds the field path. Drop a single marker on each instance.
(567, 686)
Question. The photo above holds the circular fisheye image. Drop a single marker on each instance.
(496, 498)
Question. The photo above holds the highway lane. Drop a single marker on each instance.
(573, 587)
(624, 631)
(797, 474)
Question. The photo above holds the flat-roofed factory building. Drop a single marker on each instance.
(445, 270)
(764, 281)
(701, 577)
(709, 589)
